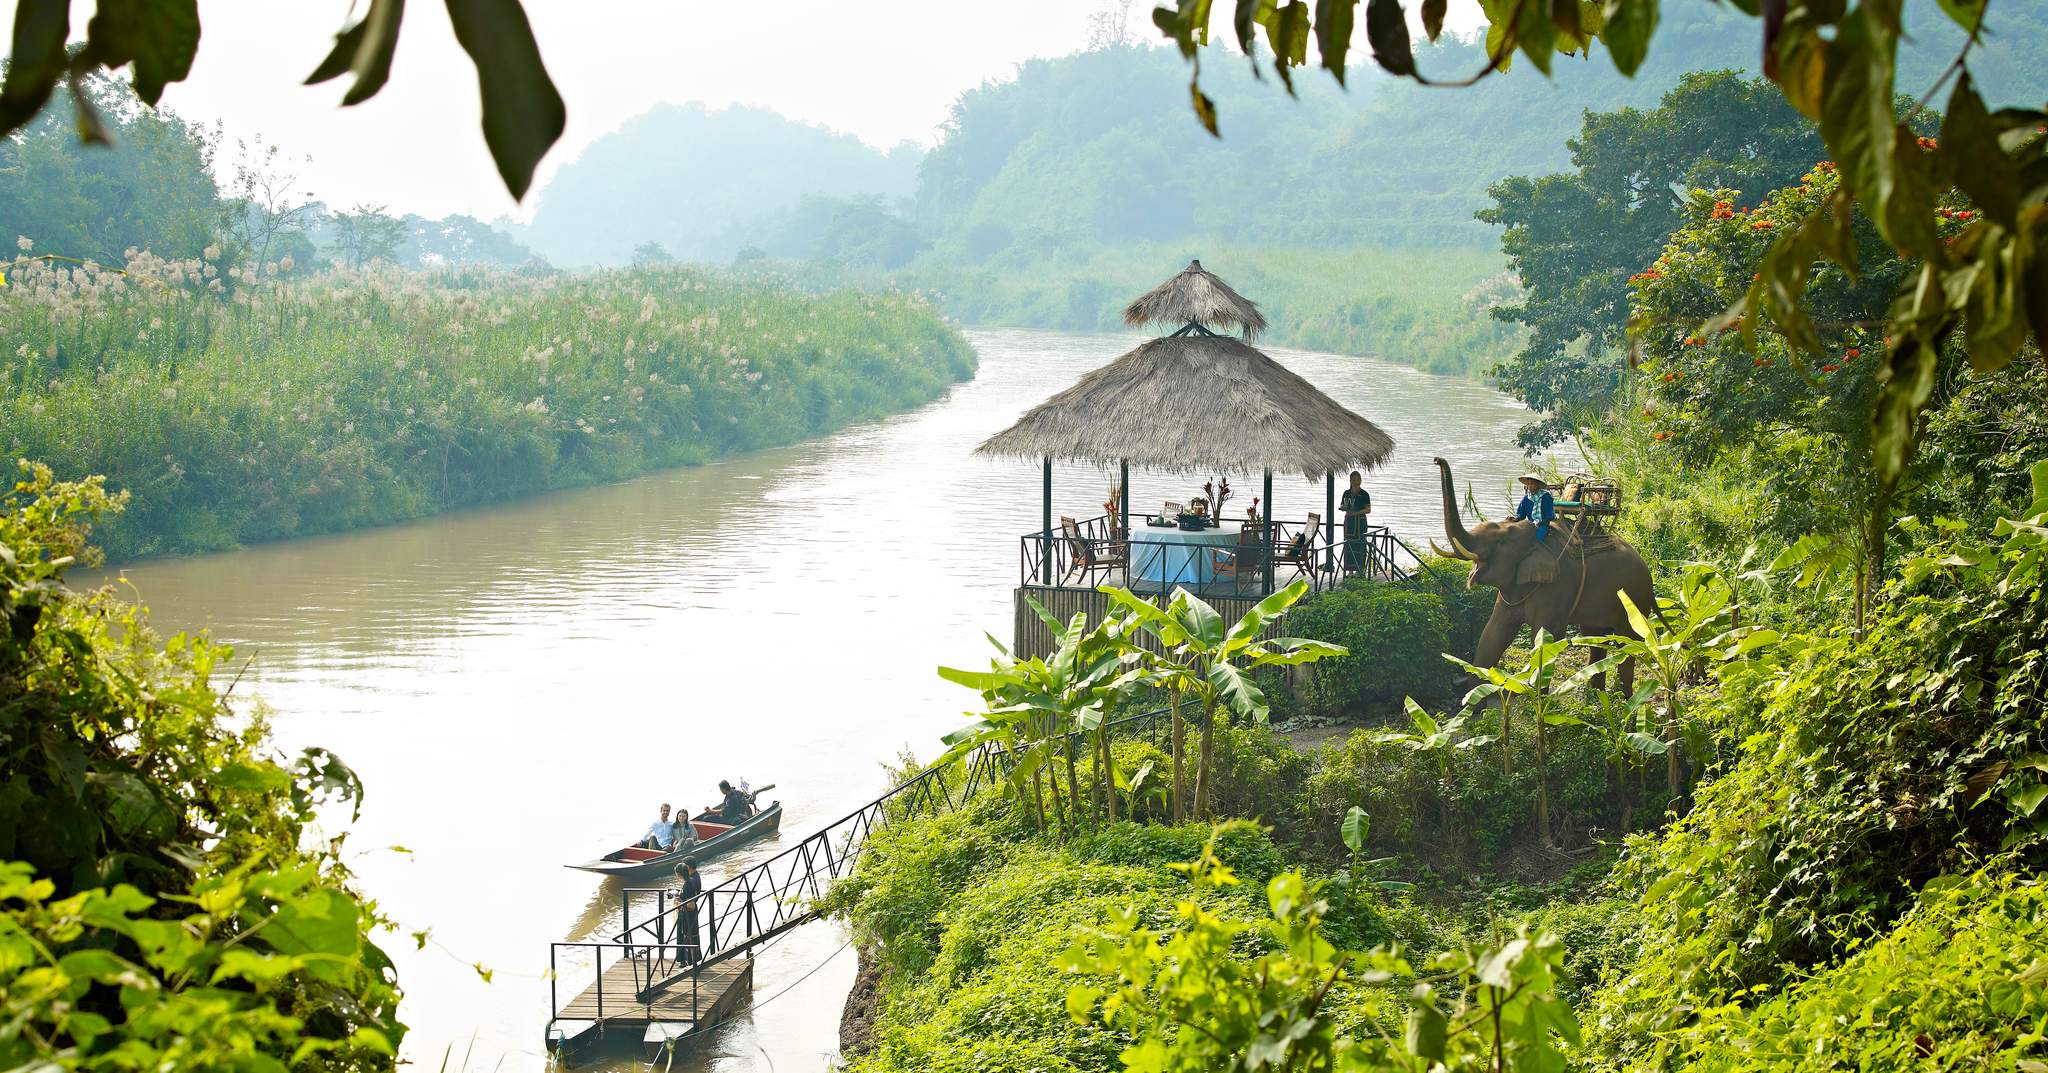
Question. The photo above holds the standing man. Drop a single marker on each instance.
(688, 951)
(659, 833)
(1537, 505)
(1357, 508)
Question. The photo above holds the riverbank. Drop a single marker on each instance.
(235, 408)
(660, 633)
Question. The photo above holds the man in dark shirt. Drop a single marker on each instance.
(688, 952)
(737, 805)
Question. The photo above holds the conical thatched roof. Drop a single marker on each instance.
(1198, 297)
(1197, 403)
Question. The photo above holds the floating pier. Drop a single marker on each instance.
(612, 1012)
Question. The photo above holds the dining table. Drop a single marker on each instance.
(1163, 558)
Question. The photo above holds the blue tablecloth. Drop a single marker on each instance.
(1163, 558)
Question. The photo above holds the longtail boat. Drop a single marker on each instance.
(714, 837)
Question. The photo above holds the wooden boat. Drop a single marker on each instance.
(634, 864)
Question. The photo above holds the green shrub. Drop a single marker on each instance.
(1958, 984)
(162, 902)
(1881, 762)
(1396, 636)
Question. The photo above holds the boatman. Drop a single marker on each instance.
(1537, 505)
(736, 805)
(661, 833)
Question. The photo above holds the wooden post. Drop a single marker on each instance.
(1330, 524)
(1045, 549)
(1123, 500)
(1271, 531)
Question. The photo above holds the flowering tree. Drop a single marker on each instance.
(1980, 291)
(1807, 401)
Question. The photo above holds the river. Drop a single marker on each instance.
(520, 686)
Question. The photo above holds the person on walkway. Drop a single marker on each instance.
(1357, 508)
(1537, 505)
(688, 950)
(659, 833)
(737, 805)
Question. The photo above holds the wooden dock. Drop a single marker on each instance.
(610, 1010)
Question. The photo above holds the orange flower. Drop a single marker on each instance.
(1829, 367)
(1928, 143)
(1760, 224)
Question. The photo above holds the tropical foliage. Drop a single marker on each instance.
(1969, 295)
(163, 903)
(238, 403)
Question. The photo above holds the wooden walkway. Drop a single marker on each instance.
(678, 1012)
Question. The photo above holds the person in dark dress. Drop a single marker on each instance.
(688, 951)
(1357, 508)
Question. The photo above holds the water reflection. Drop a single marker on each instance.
(522, 686)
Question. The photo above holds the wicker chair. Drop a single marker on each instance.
(1088, 559)
(1247, 558)
(1301, 551)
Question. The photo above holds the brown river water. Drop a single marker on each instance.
(521, 686)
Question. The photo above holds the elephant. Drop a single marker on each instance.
(1543, 591)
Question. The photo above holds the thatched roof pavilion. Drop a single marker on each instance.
(1196, 401)
(1196, 296)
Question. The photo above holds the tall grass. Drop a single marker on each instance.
(239, 406)
(1426, 308)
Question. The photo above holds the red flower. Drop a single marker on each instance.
(1852, 353)
(1928, 143)
(1829, 367)
(1758, 362)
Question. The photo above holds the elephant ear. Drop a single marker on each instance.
(1539, 567)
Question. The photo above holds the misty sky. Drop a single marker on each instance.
(884, 70)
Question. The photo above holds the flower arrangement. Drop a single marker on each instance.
(1251, 513)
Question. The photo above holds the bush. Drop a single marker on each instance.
(156, 907)
(1881, 762)
(1957, 985)
(1396, 636)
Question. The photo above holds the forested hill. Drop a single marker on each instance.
(677, 174)
(1102, 146)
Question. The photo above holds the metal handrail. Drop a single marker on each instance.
(736, 902)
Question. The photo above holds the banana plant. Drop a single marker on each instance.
(1541, 682)
(1695, 623)
(1034, 709)
(1441, 742)
(1202, 658)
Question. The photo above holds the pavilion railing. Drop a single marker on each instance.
(1098, 553)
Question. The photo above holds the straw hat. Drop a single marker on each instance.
(1534, 478)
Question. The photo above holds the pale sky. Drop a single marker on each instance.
(883, 70)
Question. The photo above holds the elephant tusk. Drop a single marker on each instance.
(1463, 551)
(1442, 553)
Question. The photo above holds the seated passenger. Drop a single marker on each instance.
(659, 833)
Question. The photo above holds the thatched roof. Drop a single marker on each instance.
(1195, 296)
(1197, 403)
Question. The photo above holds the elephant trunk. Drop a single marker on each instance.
(1454, 527)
